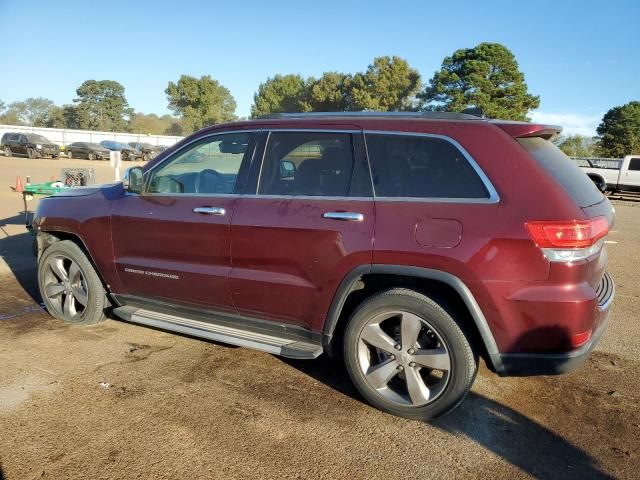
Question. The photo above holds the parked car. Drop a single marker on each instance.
(613, 175)
(412, 245)
(148, 150)
(91, 151)
(127, 152)
(28, 144)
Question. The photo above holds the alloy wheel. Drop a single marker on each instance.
(403, 358)
(65, 287)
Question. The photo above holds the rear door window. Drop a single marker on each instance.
(307, 164)
(417, 166)
(634, 164)
(577, 184)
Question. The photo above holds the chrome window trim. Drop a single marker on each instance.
(493, 194)
(208, 195)
(298, 130)
(306, 197)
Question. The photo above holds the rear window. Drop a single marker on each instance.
(577, 184)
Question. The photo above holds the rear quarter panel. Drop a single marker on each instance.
(495, 256)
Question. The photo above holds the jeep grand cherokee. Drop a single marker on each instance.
(410, 244)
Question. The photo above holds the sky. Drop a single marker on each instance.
(581, 57)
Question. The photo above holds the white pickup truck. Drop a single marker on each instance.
(612, 174)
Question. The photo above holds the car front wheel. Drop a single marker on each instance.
(407, 356)
(70, 286)
(7, 152)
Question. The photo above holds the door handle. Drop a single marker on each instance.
(344, 216)
(209, 210)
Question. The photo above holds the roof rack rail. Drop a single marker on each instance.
(466, 115)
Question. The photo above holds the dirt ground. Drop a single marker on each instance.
(120, 401)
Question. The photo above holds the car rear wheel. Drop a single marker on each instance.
(407, 356)
(7, 151)
(91, 156)
(69, 154)
(70, 286)
(31, 153)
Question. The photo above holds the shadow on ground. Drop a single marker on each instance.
(16, 255)
(507, 433)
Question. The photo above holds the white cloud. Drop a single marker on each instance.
(571, 123)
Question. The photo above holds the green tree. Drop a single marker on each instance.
(389, 84)
(282, 93)
(54, 118)
(619, 131)
(200, 102)
(174, 126)
(13, 114)
(102, 105)
(330, 93)
(31, 112)
(152, 124)
(577, 145)
(37, 111)
(486, 76)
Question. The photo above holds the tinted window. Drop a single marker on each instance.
(307, 163)
(210, 166)
(421, 167)
(634, 164)
(32, 137)
(578, 185)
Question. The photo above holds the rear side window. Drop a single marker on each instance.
(634, 164)
(307, 164)
(578, 185)
(421, 167)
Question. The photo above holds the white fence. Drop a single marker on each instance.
(63, 136)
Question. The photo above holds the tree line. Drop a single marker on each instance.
(486, 76)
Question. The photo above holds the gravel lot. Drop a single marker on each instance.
(124, 401)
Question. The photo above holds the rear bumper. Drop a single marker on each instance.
(528, 364)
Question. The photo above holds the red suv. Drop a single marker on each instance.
(410, 244)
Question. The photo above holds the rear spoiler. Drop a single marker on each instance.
(524, 129)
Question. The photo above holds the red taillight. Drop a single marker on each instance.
(576, 234)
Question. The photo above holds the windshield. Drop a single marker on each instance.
(577, 184)
(32, 137)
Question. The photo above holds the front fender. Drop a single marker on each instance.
(85, 214)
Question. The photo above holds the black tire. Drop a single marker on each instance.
(7, 152)
(31, 153)
(463, 361)
(96, 299)
(91, 156)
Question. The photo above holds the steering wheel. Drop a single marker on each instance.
(219, 185)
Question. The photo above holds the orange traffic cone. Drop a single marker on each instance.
(19, 187)
(52, 179)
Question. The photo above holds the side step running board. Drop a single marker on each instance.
(219, 333)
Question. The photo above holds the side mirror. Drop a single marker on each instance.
(132, 180)
(287, 169)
